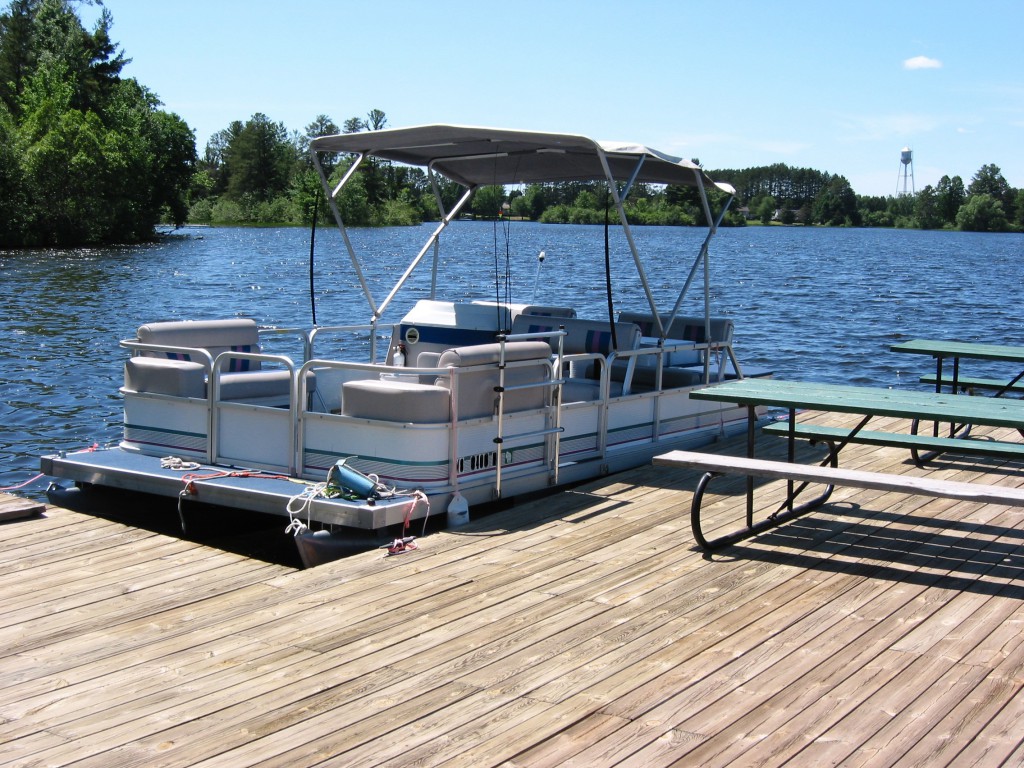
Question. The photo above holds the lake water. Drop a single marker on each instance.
(813, 304)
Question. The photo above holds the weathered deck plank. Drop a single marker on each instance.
(581, 629)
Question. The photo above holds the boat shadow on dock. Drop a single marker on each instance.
(237, 531)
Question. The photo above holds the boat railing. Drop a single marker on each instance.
(220, 368)
(233, 391)
(454, 376)
(370, 329)
(195, 354)
(301, 333)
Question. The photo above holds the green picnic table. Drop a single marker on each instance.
(942, 350)
(869, 403)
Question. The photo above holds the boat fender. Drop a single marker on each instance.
(458, 511)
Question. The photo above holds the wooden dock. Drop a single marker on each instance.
(580, 629)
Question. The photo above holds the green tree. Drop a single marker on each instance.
(989, 180)
(90, 155)
(12, 200)
(18, 55)
(1018, 208)
(982, 213)
(949, 196)
(258, 161)
(173, 163)
(322, 125)
(926, 209)
(532, 202)
(836, 204)
(375, 120)
(487, 201)
(353, 203)
(765, 209)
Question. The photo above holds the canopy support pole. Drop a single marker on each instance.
(628, 232)
(331, 200)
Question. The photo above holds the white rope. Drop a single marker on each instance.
(177, 463)
(302, 502)
(305, 499)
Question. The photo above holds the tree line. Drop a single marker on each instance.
(88, 156)
(802, 195)
(257, 173)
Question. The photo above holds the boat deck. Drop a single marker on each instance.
(580, 629)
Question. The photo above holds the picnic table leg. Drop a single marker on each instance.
(787, 512)
(752, 528)
(955, 430)
(791, 456)
(751, 437)
(1009, 385)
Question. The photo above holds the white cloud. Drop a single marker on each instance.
(922, 62)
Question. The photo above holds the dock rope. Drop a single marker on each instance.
(405, 543)
(177, 464)
(302, 503)
(304, 499)
(17, 487)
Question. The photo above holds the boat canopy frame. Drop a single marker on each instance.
(475, 156)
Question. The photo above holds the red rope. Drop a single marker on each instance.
(22, 485)
(191, 478)
(19, 486)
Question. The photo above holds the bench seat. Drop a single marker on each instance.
(965, 382)
(854, 478)
(428, 401)
(715, 464)
(399, 401)
(920, 442)
(179, 366)
(179, 378)
(585, 337)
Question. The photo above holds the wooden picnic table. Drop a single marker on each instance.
(868, 402)
(942, 350)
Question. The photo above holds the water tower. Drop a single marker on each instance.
(906, 171)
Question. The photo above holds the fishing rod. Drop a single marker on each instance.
(312, 247)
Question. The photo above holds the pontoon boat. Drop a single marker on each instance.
(468, 402)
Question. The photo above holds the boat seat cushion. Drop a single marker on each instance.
(684, 328)
(181, 378)
(260, 385)
(391, 400)
(582, 336)
(241, 380)
(476, 395)
(184, 378)
(215, 336)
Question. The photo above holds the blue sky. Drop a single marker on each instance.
(835, 86)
